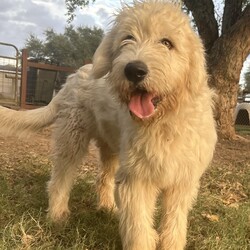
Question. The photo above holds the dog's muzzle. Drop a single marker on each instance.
(142, 103)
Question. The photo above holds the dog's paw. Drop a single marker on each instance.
(58, 217)
(107, 207)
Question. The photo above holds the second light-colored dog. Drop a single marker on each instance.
(149, 108)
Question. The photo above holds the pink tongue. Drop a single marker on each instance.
(141, 105)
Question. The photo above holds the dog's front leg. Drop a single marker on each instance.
(136, 202)
(105, 182)
(176, 202)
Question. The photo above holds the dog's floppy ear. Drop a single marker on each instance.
(197, 72)
(102, 60)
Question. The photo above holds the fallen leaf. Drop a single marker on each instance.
(211, 217)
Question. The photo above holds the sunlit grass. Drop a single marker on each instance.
(219, 220)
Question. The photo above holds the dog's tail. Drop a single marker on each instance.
(22, 123)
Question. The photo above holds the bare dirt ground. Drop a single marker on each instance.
(14, 150)
(228, 151)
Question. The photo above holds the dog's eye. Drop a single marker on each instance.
(129, 37)
(166, 43)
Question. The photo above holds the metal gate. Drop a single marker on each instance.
(10, 76)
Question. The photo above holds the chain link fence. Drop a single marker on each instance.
(242, 114)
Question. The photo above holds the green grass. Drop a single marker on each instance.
(242, 129)
(23, 204)
(219, 220)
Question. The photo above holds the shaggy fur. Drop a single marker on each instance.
(147, 104)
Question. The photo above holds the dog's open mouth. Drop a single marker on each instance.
(143, 104)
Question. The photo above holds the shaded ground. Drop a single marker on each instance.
(14, 151)
(236, 151)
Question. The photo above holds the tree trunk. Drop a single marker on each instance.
(225, 61)
(226, 54)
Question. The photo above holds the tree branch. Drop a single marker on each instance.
(73, 5)
(231, 48)
(232, 12)
(203, 13)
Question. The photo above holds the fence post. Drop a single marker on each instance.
(24, 78)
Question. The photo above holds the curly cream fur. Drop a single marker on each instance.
(141, 158)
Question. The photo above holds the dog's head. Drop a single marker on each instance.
(152, 57)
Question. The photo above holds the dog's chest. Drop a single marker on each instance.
(158, 155)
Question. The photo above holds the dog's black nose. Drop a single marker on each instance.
(136, 71)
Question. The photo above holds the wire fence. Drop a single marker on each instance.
(242, 114)
(10, 76)
(43, 84)
(27, 83)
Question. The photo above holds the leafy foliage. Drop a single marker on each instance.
(72, 48)
(35, 45)
(72, 6)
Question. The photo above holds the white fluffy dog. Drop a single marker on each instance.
(147, 104)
